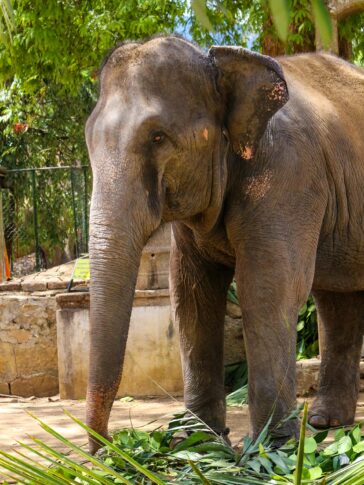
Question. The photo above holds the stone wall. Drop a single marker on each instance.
(28, 351)
(28, 341)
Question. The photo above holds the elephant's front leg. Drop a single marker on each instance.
(198, 294)
(270, 301)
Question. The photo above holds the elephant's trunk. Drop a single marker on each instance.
(117, 236)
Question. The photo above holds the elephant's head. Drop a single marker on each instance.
(158, 141)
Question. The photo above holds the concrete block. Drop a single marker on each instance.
(152, 361)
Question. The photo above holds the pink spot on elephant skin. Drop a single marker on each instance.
(205, 133)
(246, 152)
(278, 93)
(257, 187)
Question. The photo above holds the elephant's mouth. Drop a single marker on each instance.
(172, 204)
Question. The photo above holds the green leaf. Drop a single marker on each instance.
(238, 397)
(198, 472)
(303, 310)
(199, 7)
(343, 460)
(321, 436)
(188, 455)
(359, 447)
(344, 445)
(356, 434)
(262, 451)
(310, 445)
(280, 17)
(331, 449)
(323, 21)
(339, 433)
(301, 443)
(282, 464)
(315, 472)
(195, 438)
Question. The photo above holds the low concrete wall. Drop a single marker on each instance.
(28, 346)
(152, 361)
(28, 343)
(28, 352)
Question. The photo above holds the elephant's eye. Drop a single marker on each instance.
(158, 137)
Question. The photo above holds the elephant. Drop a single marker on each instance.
(259, 164)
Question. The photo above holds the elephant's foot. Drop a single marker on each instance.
(331, 412)
(282, 433)
(94, 445)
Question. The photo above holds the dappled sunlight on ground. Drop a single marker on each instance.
(16, 424)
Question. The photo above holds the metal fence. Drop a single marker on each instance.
(45, 216)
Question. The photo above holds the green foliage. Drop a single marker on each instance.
(232, 294)
(239, 397)
(307, 333)
(351, 28)
(280, 10)
(236, 380)
(40, 130)
(323, 21)
(6, 21)
(61, 42)
(188, 452)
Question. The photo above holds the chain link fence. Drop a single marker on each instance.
(45, 216)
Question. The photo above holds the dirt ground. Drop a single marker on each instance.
(17, 425)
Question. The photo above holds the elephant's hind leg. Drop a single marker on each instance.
(342, 319)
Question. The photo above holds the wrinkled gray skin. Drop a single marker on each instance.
(261, 181)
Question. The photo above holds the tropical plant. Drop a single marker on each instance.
(188, 452)
(307, 331)
(6, 20)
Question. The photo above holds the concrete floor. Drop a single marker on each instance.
(148, 414)
(16, 424)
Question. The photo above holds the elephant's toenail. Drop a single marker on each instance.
(318, 421)
(334, 422)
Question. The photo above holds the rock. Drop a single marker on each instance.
(8, 370)
(40, 385)
(233, 310)
(28, 349)
(4, 388)
(14, 285)
(234, 350)
(57, 285)
(38, 357)
(307, 376)
(34, 285)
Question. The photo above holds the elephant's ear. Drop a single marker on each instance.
(254, 88)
